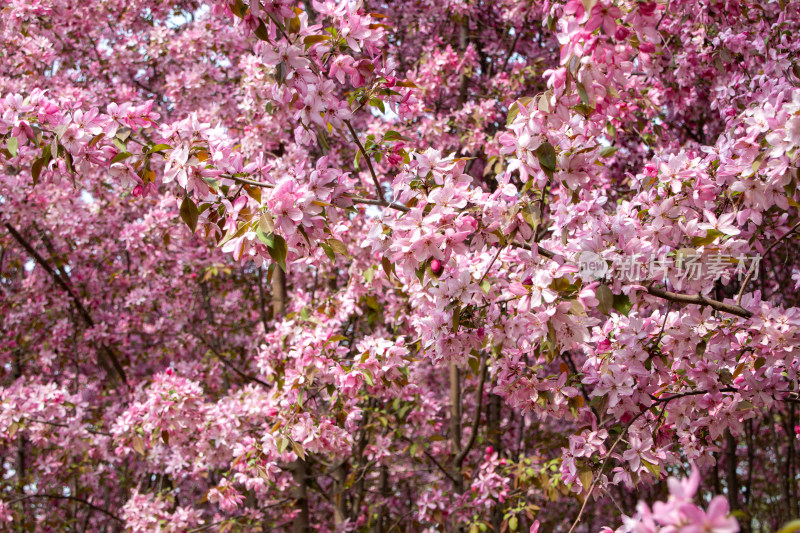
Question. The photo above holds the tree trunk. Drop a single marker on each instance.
(732, 479)
(494, 409)
(455, 424)
(300, 475)
(299, 467)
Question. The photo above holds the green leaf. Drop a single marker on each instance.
(547, 158)
(189, 213)
(322, 138)
(710, 237)
(265, 237)
(36, 170)
(375, 102)
(653, 468)
(261, 31)
(513, 111)
(282, 443)
(486, 286)
(421, 273)
(622, 304)
(122, 156)
(586, 477)
(513, 523)
(392, 135)
(159, 148)
(372, 303)
(328, 251)
(611, 130)
(606, 298)
(120, 145)
(297, 448)
(700, 349)
(280, 72)
(456, 318)
(367, 376)
(608, 150)
(474, 364)
(233, 234)
(582, 93)
(123, 134)
(314, 39)
(388, 266)
(369, 274)
(279, 251)
(12, 144)
(338, 246)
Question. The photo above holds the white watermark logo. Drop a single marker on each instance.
(685, 266)
(592, 266)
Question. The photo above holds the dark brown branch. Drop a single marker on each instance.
(71, 498)
(369, 201)
(246, 181)
(369, 161)
(475, 421)
(699, 299)
(227, 363)
(75, 300)
(68, 426)
(440, 467)
(766, 253)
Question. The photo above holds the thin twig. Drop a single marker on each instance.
(440, 467)
(766, 253)
(71, 498)
(369, 201)
(227, 363)
(60, 425)
(87, 318)
(619, 439)
(475, 421)
(368, 159)
(699, 299)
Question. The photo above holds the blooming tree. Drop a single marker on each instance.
(399, 266)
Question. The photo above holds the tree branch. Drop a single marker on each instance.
(369, 162)
(440, 467)
(700, 300)
(475, 421)
(227, 363)
(75, 300)
(768, 250)
(71, 498)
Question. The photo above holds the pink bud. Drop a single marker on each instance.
(647, 48)
(622, 33)
(489, 450)
(481, 332)
(436, 266)
(647, 9)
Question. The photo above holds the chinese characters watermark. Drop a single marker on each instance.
(683, 266)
